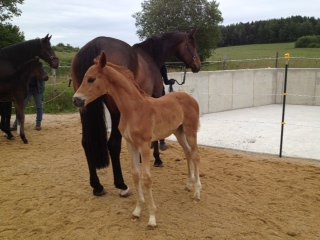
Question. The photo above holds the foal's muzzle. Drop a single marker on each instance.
(78, 102)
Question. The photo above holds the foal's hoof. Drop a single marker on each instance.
(125, 193)
(25, 141)
(152, 224)
(134, 218)
(99, 193)
(152, 227)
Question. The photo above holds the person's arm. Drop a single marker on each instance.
(164, 74)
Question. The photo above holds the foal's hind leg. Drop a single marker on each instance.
(186, 148)
(188, 141)
(191, 136)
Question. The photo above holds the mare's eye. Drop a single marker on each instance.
(91, 80)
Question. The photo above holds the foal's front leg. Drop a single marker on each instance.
(147, 182)
(20, 121)
(135, 168)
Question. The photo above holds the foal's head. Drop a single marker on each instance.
(33, 69)
(37, 72)
(91, 87)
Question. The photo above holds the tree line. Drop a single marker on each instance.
(203, 15)
(269, 31)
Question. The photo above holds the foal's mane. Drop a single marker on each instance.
(23, 71)
(128, 74)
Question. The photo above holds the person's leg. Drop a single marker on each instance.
(38, 101)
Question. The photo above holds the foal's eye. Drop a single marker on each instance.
(91, 80)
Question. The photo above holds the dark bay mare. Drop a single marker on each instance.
(14, 59)
(14, 56)
(145, 60)
(15, 89)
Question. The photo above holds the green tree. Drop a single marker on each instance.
(10, 34)
(160, 16)
(9, 9)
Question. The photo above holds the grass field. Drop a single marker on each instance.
(58, 96)
(255, 56)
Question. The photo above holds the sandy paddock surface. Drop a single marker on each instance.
(45, 194)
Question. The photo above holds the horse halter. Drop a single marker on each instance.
(194, 57)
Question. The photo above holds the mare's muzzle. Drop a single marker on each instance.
(78, 102)
(54, 62)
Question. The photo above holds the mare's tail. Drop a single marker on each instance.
(94, 129)
(94, 134)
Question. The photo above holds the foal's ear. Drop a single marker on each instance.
(102, 60)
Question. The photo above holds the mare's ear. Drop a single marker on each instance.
(192, 33)
(47, 37)
(102, 60)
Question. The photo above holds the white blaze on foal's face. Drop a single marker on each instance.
(91, 87)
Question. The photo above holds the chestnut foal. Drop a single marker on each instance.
(145, 119)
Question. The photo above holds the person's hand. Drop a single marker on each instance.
(171, 81)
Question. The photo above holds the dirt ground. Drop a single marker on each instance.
(45, 193)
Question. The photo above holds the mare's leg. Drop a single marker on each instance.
(156, 154)
(98, 189)
(39, 107)
(20, 120)
(136, 173)
(114, 146)
(147, 182)
(5, 118)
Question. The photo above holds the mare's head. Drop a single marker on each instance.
(187, 51)
(47, 53)
(92, 85)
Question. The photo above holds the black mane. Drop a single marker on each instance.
(154, 46)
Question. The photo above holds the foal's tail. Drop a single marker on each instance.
(94, 134)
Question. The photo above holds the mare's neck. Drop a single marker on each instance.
(123, 91)
(22, 52)
(160, 49)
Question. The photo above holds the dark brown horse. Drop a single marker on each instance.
(13, 62)
(14, 56)
(144, 60)
(15, 89)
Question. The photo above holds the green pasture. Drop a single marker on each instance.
(262, 56)
(58, 95)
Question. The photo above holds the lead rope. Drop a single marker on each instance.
(175, 81)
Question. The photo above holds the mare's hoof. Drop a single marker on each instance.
(10, 137)
(158, 164)
(99, 193)
(25, 141)
(163, 146)
(125, 193)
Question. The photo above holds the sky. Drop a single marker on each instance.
(76, 22)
